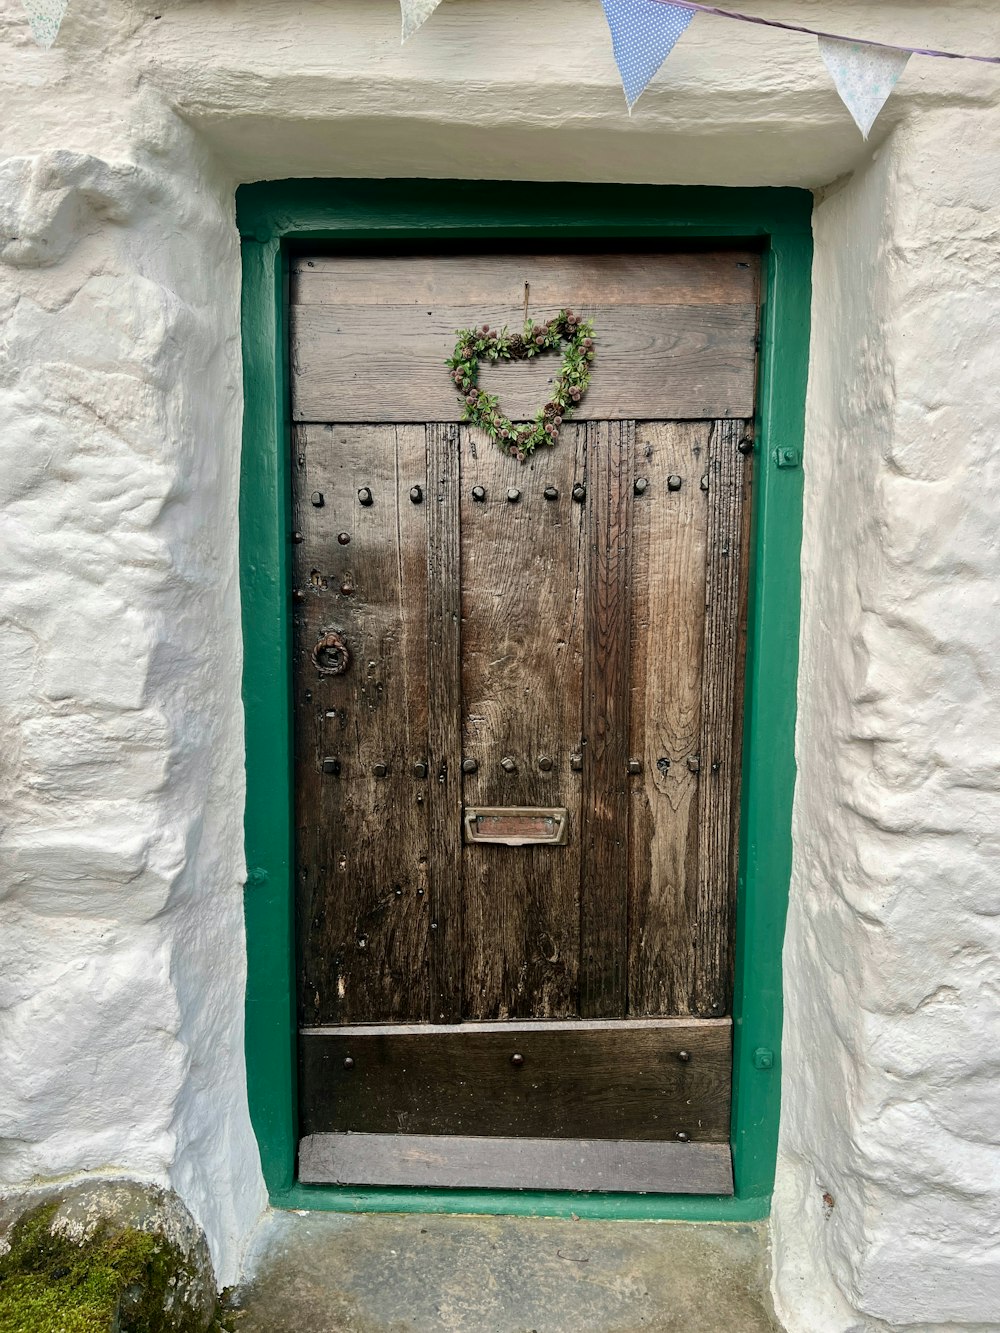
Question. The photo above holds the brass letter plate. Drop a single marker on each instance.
(517, 825)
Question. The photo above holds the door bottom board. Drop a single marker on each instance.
(480, 1162)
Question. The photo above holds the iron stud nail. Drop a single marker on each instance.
(298, 596)
(579, 493)
(681, 1137)
(684, 1057)
(508, 764)
(347, 588)
(365, 496)
(317, 499)
(694, 763)
(416, 494)
(331, 765)
(551, 493)
(348, 1062)
(635, 767)
(298, 538)
(704, 482)
(513, 495)
(576, 762)
(517, 1059)
(344, 538)
(469, 765)
(420, 769)
(674, 482)
(640, 485)
(478, 494)
(745, 445)
(663, 764)
(545, 763)
(380, 770)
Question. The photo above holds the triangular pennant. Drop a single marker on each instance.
(864, 76)
(643, 33)
(45, 18)
(415, 13)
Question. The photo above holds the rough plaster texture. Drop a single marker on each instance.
(120, 727)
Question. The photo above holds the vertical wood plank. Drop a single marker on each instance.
(721, 715)
(444, 793)
(604, 944)
(522, 662)
(668, 617)
(362, 912)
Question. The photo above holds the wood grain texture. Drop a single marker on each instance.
(668, 617)
(362, 914)
(522, 661)
(387, 363)
(721, 720)
(618, 1080)
(727, 277)
(450, 1161)
(444, 784)
(606, 690)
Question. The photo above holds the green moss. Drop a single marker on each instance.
(120, 1280)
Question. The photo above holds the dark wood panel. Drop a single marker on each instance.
(727, 277)
(668, 617)
(386, 363)
(618, 1080)
(522, 659)
(444, 782)
(604, 948)
(450, 1161)
(362, 913)
(721, 719)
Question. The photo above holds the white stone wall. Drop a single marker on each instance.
(120, 728)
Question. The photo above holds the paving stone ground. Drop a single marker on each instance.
(336, 1273)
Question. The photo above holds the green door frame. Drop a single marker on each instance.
(275, 218)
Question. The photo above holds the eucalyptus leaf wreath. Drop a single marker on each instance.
(483, 409)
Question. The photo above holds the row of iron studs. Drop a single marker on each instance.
(579, 492)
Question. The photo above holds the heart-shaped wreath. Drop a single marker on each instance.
(483, 409)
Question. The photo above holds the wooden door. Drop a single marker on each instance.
(550, 651)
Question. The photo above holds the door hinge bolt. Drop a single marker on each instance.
(787, 458)
(763, 1058)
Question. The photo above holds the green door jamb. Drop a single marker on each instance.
(276, 217)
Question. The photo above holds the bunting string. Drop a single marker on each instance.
(818, 32)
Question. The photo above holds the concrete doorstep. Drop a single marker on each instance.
(336, 1273)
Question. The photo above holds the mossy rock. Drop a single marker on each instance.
(109, 1257)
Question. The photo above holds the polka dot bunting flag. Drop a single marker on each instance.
(643, 33)
(44, 18)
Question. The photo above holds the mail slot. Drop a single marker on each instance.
(517, 825)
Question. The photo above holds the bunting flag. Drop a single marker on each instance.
(864, 76)
(416, 13)
(45, 18)
(643, 33)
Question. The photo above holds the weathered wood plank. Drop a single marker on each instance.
(668, 616)
(362, 840)
(615, 1080)
(444, 783)
(453, 1161)
(721, 721)
(522, 659)
(386, 363)
(725, 277)
(604, 818)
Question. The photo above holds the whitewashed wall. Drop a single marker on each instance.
(120, 728)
